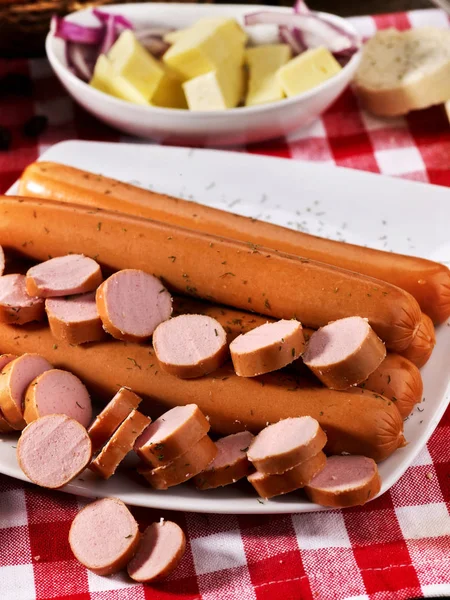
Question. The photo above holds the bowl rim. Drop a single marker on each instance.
(63, 70)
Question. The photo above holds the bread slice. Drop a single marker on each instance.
(402, 71)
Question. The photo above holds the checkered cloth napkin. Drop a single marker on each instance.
(396, 547)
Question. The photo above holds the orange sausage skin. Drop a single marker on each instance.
(226, 271)
(422, 345)
(427, 281)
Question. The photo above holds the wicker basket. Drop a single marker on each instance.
(24, 24)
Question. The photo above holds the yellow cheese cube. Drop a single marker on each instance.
(263, 63)
(211, 22)
(216, 90)
(169, 93)
(205, 47)
(105, 80)
(307, 71)
(141, 78)
(103, 73)
(132, 61)
(173, 36)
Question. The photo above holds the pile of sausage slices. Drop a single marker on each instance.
(309, 402)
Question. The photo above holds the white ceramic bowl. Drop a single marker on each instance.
(235, 126)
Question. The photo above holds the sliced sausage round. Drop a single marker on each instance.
(267, 348)
(15, 378)
(345, 481)
(160, 550)
(75, 319)
(285, 444)
(5, 359)
(17, 307)
(114, 413)
(422, 344)
(269, 486)
(398, 380)
(104, 536)
(344, 353)
(231, 462)
(64, 276)
(5, 427)
(190, 345)
(173, 434)
(58, 392)
(132, 303)
(186, 466)
(53, 450)
(119, 445)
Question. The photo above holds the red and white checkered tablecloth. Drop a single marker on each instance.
(396, 547)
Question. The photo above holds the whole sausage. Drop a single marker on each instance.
(422, 344)
(236, 322)
(427, 281)
(398, 379)
(271, 283)
(353, 423)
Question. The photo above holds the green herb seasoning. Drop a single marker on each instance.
(132, 360)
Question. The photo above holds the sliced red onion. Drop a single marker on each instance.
(288, 37)
(81, 59)
(72, 32)
(155, 45)
(335, 38)
(301, 7)
(157, 32)
(120, 20)
(110, 35)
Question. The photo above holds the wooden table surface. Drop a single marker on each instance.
(368, 7)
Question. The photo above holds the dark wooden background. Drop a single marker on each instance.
(22, 33)
(368, 7)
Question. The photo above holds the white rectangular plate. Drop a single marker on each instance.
(385, 213)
